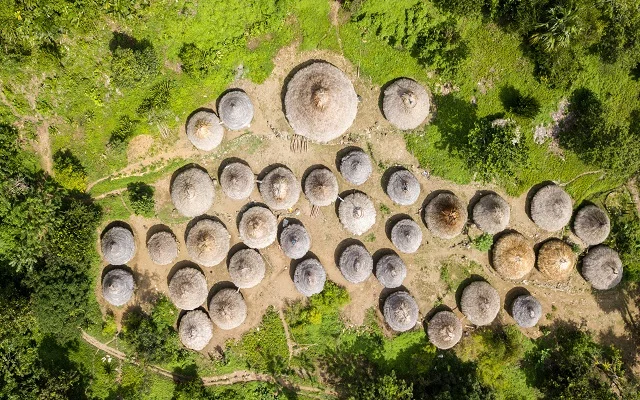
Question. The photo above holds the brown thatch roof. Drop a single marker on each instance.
(258, 227)
(295, 241)
(602, 267)
(513, 256)
(592, 225)
(228, 309)
(188, 288)
(406, 235)
(405, 104)
(551, 208)
(118, 245)
(162, 247)
(237, 181)
(356, 264)
(480, 303)
(356, 167)
(280, 189)
(444, 330)
(195, 330)
(321, 187)
(445, 216)
(309, 277)
(491, 213)
(117, 286)
(391, 271)
(208, 242)
(556, 259)
(192, 192)
(357, 213)
(236, 110)
(246, 268)
(204, 130)
(403, 188)
(526, 310)
(400, 311)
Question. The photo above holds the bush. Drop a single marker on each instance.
(461, 7)
(122, 134)
(141, 198)
(329, 301)
(69, 171)
(441, 47)
(483, 242)
(625, 238)
(197, 62)
(131, 66)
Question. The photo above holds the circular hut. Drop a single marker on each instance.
(195, 330)
(551, 208)
(356, 264)
(602, 267)
(391, 271)
(556, 259)
(236, 110)
(491, 214)
(228, 309)
(321, 187)
(192, 192)
(237, 181)
(208, 242)
(246, 268)
(480, 303)
(118, 245)
(444, 330)
(357, 213)
(295, 241)
(592, 225)
(445, 216)
(309, 277)
(280, 189)
(188, 288)
(356, 167)
(117, 286)
(204, 130)
(526, 311)
(162, 247)
(403, 188)
(513, 256)
(405, 104)
(406, 235)
(258, 227)
(400, 311)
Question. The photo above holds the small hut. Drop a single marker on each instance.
(356, 167)
(162, 247)
(480, 303)
(491, 214)
(391, 271)
(280, 189)
(117, 286)
(356, 264)
(237, 181)
(513, 256)
(444, 330)
(204, 130)
(403, 188)
(445, 216)
(405, 104)
(321, 187)
(295, 241)
(357, 213)
(208, 242)
(192, 192)
(556, 259)
(228, 309)
(309, 277)
(320, 102)
(592, 225)
(406, 235)
(246, 268)
(258, 227)
(236, 110)
(188, 288)
(526, 311)
(118, 245)
(551, 208)
(602, 268)
(400, 311)
(195, 330)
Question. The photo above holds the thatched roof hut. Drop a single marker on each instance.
(592, 225)
(204, 130)
(356, 167)
(320, 102)
(556, 259)
(403, 188)
(526, 311)
(391, 271)
(228, 309)
(192, 192)
(602, 267)
(513, 256)
(295, 241)
(118, 245)
(237, 181)
(195, 330)
(444, 330)
(551, 208)
(117, 286)
(357, 213)
(480, 303)
(258, 227)
(400, 311)
(208, 242)
(321, 187)
(405, 104)
(406, 235)
(445, 216)
(246, 268)
(236, 110)
(162, 247)
(491, 213)
(280, 189)
(309, 277)
(356, 264)
(188, 288)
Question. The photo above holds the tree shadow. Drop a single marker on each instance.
(454, 120)
(121, 40)
(517, 103)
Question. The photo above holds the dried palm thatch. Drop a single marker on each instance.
(118, 245)
(405, 104)
(309, 277)
(403, 188)
(491, 213)
(228, 309)
(195, 330)
(236, 110)
(162, 247)
(117, 286)
(321, 187)
(357, 213)
(356, 167)
(246, 268)
(391, 271)
(192, 192)
(444, 330)
(551, 208)
(592, 225)
(237, 181)
(188, 288)
(204, 130)
(556, 259)
(513, 256)
(258, 227)
(526, 311)
(280, 189)
(295, 241)
(400, 311)
(406, 235)
(480, 303)
(356, 264)
(320, 102)
(208, 242)
(445, 216)
(602, 268)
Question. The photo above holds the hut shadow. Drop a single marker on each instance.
(157, 229)
(218, 286)
(341, 196)
(342, 246)
(392, 221)
(246, 207)
(286, 222)
(112, 267)
(383, 89)
(227, 91)
(145, 286)
(386, 292)
(290, 75)
(578, 208)
(184, 168)
(182, 264)
(265, 171)
(228, 161)
(511, 296)
(463, 285)
(386, 176)
(312, 168)
(293, 264)
(233, 250)
(199, 218)
(379, 254)
(117, 224)
(343, 152)
(182, 313)
(532, 192)
(432, 312)
(430, 197)
(194, 112)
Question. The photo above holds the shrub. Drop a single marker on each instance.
(441, 47)
(329, 301)
(131, 66)
(122, 134)
(197, 62)
(154, 105)
(141, 198)
(483, 242)
(461, 7)
(625, 238)
(69, 171)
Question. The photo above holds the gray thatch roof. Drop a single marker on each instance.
(445, 216)
(188, 288)
(357, 213)
(258, 227)
(403, 188)
(309, 277)
(602, 268)
(192, 192)
(444, 330)
(400, 311)
(356, 167)
(246, 268)
(391, 271)
(237, 181)
(195, 330)
(556, 259)
(117, 286)
(208, 242)
(526, 310)
(320, 102)
(321, 187)
(204, 130)
(295, 241)
(236, 110)
(228, 309)
(280, 189)
(551, 208)
(480, 303)
(406, 235)
(405, 104)
(356, 264)
(162, 247)
(592, 225)
(491, 213)
(118, 245)
(513, 256)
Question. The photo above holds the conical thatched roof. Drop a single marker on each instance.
(491, 213)
(192, 192)
(237, 181)
(228, 309)
(208, 242)
(403, 188)
(320, 102)
(445, 216)
(406, 235)
(390, 271)
(480, 303)
(357, 213)
(356, 264)
(405, 104)
(246, 268)
(602, 268)
(258, 227)
(321, 187)
(162, 247)
(117, 286)
(356, 167)
(295, 241)
(204, 130)
(513, 256)
(551, 208)
(400, 311)
(196, 330)
(592, 225)
(236, 110)
(526, 310)
(444, 330)
(118, 245)
(188, 288)
(280, 189)
(309, 277)
(556, 260)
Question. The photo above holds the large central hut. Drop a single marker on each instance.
(208, 242)
(405, 103)
(357, 213)
(280, 189)
(228, 309)
(355, 263)
(192, 192)
(445, 216)
(258, 227)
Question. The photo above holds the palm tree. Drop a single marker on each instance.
(559, 28)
